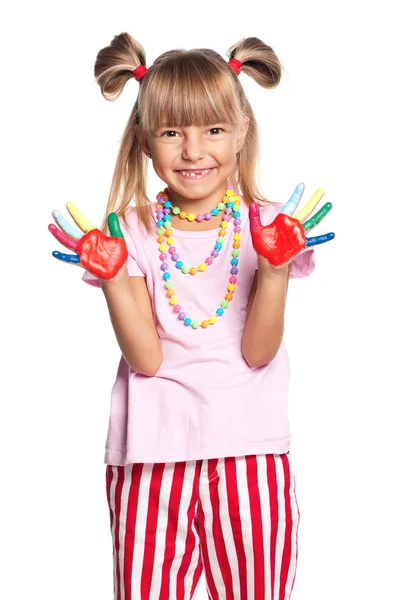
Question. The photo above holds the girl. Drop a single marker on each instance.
(198, 475)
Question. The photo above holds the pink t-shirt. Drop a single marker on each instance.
(205, 401)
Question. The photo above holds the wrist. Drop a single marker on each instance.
(121, 278)
(268, 271)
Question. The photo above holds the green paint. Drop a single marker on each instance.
(318, 216)
(114, 225)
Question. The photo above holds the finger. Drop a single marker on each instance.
(70, 258)
(317, 218)
(114, 225)
(309, 207)
(254, 217)
(292, 204)
(64, 239)
(78, 218)
(320, 239)
(65, 226)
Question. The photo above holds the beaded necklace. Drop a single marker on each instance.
(231, 205)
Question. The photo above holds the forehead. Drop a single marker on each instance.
(192, 103)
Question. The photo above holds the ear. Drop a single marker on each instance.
(243, 127)
(143, 139)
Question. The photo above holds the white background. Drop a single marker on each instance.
(331, 123)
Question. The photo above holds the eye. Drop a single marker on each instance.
(216, 128)
(168, 131)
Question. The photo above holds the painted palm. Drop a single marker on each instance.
(100, 254)
(280, 241)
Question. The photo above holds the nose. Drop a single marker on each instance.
(193, 148)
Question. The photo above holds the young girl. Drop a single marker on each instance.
(198, 475)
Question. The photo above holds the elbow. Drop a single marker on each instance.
(148, 366)
(152, 371)
(256, 360)
(154, 367)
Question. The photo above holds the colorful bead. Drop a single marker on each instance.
(230, 205)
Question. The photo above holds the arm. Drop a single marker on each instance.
(131, 315)
(263, 332)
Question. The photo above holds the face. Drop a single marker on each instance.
(178, 151)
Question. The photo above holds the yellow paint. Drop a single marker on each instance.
(78, 218)
(308, 208)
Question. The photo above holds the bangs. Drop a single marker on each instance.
(189, 90)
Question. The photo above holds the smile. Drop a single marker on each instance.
(194, 173)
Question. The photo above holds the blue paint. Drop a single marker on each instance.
(70, 258)
(319, 239)
(291, 204)
(68, 229)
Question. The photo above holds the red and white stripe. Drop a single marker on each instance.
(236, 518)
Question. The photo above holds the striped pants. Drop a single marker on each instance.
(236, 518)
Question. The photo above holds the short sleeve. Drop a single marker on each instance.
(133, 267)
(304, 263)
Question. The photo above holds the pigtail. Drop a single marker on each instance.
(259, 61)
(114, 64)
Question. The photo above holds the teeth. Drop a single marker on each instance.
(197, 174)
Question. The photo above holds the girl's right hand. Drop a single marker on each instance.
(101, 255)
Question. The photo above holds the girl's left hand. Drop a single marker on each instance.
(280, 242)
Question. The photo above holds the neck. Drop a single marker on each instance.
(199, 204)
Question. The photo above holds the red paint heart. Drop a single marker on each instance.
(102, 255)
(280, 241)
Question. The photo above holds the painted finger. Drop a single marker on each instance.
(64, 239)
(292, 204)
(308, 208)
(114, 225)
(70, 258)
(78, 218)
(254, 217)
(317, 218)
(320, 239)
(65, 226)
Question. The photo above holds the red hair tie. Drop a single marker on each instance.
(140, 72)
(235, 64)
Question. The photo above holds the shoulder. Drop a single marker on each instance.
(131, 222)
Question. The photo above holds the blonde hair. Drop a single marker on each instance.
(181, 88)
